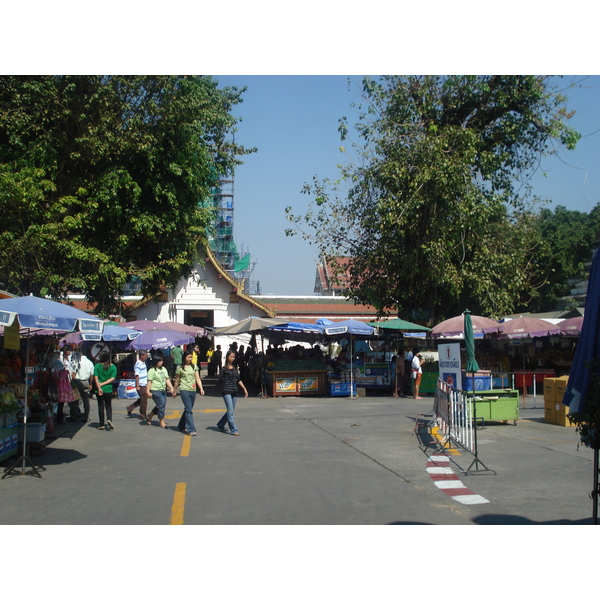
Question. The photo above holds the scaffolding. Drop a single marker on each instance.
(238, 265)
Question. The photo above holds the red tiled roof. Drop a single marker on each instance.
(334, 267)
(310, 308)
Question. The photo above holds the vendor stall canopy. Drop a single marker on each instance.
(524, 327)
(41, 313)
(249, 325)
(455, 327)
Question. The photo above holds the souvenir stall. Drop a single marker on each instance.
(299, 370)
(11, 392)
(26, 315)
(41, 345)
(356, 367)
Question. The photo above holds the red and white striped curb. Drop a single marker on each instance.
(438, 467)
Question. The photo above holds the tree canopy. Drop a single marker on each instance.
(567, 236)
(107, 177)
(435, 213)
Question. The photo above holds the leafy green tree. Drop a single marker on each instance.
(107, 177)
(567, 237)
(434, 212)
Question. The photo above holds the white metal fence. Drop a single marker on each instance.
(453, 409)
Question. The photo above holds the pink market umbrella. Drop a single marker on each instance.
(571, 326)
(190, 329)
(526, 327)
(160, 338)
(455, 327)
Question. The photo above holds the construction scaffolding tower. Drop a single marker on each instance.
(238, 265)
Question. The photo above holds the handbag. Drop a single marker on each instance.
(75, 392)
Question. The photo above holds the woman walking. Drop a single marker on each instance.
(104, 375)
(158, 381)
(229, 380)
(187, 377)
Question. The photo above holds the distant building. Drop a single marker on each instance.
(332, 277)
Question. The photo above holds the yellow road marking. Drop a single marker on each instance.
(185, 447)
(435, 434)
(178, 504)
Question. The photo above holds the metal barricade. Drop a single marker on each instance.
(454, 409)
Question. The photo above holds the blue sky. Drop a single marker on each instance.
(287, 57)
(293, 121)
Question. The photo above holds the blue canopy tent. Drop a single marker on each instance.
(350, 328)
(295, 331)
(113, 332)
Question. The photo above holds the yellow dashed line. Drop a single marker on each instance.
(185, 447)
(178, 504)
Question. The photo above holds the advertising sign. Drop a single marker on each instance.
(285, 384)
(12, 336)
(450, 367)
(308, 384)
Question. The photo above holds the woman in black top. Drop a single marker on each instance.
(229, 380)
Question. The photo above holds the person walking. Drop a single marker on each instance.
(216, 359)
(229, 380)
(141, 384)
(196, 354)
(82, 379)
(158, 381)
(187, 378)
(417, 372)
(210, 368)
(399, 383)
(176, 355)
(104, 375)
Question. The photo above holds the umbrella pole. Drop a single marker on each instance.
(596, 489)
(351, 368)
(12, 470)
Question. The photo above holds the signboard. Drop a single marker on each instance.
(7, 318)
(91, 325)
(450, 366)
(308, 384)
(285, 384)
(373, 375)
(377, 369)
(12, 336)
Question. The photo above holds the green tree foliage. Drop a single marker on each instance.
(105, 177)
(434, 212)
(567, 237)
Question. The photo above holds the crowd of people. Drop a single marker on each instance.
(84, 380)
(156, 376)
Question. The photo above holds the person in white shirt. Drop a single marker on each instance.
(141, 385)
(417, 372)
(83, 372)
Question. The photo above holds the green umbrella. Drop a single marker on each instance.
(398, 325)
(472, 366)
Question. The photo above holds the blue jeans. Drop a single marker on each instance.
(187, 418)
(160, 399)
(228, 416)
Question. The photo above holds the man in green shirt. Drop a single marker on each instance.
(176, 356)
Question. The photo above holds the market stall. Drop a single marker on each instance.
(300, 377)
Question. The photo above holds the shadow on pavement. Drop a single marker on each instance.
(517, 520)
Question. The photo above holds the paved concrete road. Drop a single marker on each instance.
(297, 461)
